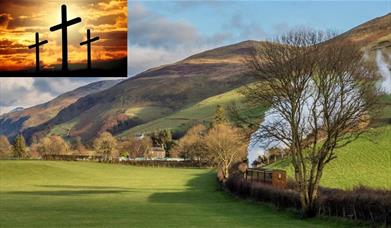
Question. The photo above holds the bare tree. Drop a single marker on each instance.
(225, 145)
(192, 146)
(320, 92)
(135, 147)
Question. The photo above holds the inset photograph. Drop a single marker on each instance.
(79, 38)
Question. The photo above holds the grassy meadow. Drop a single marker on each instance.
(63, 194)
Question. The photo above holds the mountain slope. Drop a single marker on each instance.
(162, 91)
(13, 122)
(153, 93)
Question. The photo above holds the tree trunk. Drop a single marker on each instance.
(309, 207)
(226, 172)
(309, 210)
(308, 194)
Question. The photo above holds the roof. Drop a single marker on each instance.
(157, 149)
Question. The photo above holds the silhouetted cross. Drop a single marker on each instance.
(36, 46)
(64, 27)
(88, 42)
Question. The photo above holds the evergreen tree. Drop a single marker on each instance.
(219, 116)
(19, 148)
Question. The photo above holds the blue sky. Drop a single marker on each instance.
(210, 16)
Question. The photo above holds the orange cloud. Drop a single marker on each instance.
(20, 19)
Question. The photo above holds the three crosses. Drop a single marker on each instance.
(64, 28)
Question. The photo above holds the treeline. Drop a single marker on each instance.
(105, 145)
(51, 145)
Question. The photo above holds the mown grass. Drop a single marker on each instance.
(63, 194)
(366, 161)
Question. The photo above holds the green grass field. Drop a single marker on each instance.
(366, 161)
(63, 194)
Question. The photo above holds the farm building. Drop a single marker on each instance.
(156, 153)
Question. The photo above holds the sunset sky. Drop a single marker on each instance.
(20, 19)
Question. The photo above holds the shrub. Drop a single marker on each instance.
(361, 203)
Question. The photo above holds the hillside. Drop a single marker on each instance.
(13, 122)
(162, 93)
(200, 112)
(366, 161)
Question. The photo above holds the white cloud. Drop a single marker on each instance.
(16, 92)
(155, 40)
(27, 92)
(12, 83)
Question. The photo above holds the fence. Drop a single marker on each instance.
(160, 163)
(275, 177)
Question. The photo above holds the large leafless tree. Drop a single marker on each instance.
(321, 94)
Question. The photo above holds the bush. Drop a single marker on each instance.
(281, 198)
(361, 203)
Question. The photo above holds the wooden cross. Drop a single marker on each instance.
(36, 46)
(64, 27)
(88, 42)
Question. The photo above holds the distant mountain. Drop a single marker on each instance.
(19, 119)
(161, 91)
